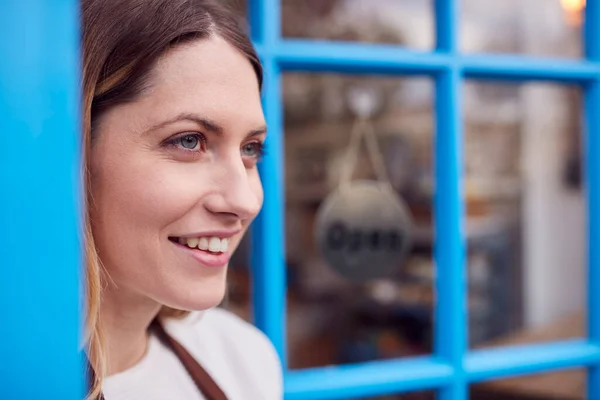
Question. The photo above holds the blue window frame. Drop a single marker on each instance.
(39, 291)
(452, 367)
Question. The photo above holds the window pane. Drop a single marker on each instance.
(405, 22)
(525, 213)
(533, 27)
(333, 319)
(563, 385)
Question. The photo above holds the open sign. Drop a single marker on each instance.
(363, 230)
(342, 237)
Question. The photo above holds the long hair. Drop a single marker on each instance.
(122, 40)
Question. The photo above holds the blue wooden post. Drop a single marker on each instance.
(268, 233)
(40, 254)
(451, 285)
(450, 247)
(592, 156)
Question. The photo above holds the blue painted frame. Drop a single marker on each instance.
(39, 102)
(40, 246)
(452, 367)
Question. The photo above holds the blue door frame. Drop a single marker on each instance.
(39, 294)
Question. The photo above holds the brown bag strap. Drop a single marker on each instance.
(204, 382)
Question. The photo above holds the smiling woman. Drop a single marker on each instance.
(173, 132)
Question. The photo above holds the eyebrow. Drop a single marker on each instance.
(204, 122)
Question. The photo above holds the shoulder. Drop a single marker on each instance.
(225, 338)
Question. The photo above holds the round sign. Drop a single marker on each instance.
(363, 230)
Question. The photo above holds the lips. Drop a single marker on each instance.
(208, 251)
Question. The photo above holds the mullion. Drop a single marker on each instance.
(446, 25)
(268, 243)
(268, 232)
(449, 250)
(592, 154)
(450, 306)
(265, 21)
(591, 39)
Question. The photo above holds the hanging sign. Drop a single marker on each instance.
(363, 228)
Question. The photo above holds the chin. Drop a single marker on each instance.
(195, 297)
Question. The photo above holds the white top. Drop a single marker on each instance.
(238, 356)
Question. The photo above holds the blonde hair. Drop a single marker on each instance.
(121, 43)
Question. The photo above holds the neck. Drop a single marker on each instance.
(126, 317)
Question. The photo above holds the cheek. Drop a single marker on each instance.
(138, 195)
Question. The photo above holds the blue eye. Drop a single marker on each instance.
(254, 149)
(193, 141)
(189, 142)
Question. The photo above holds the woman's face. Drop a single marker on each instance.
(174, 177)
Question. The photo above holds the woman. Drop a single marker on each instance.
(173, 130)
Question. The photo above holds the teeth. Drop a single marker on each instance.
(224, 245)
(212, 244)
(203, 244)
(192, 242)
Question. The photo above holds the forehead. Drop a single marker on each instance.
(209, 76)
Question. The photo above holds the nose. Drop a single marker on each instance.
(238, 192)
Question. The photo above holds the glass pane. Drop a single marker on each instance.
(333, 318)
(533, 27)
(525, 213)
(563, 385)
(405, 22)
